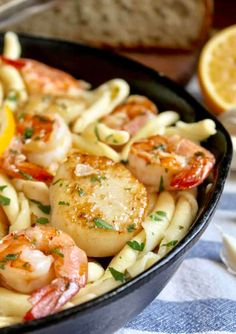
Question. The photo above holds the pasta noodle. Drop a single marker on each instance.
(23, 219)
(4, 223)
(157, 222)
(142, 264)
(186, 209)
(33, 190)
(95, 271)
(151, 128)
(198, 131)
(109, 96)
(13, 304)
(11, 210)
(13, 86)
(12, 47)
(110, 136)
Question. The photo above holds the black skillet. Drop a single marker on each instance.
(112, 310)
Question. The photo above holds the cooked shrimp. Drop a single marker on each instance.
(45, 262)
(41, 141)
(41, 78)
(131, 115)
(47, 139)
(170, 162)
(15, 164)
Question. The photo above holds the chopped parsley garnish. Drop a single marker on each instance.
(96, 133)
(97, 178)
(28, 133)
(161, 186)
(11, 257)
(100, 223)
(2, 264)
(57, 181)
(21, 116)
(42, 220)
(131, 228)
(4, 200)
(158, 216)
(63, 203)
(117, 275)
(159, 147)
(57, 251)
(81, 192)
(2, 187)
(44, 208)
(8, 257)
(12, 96)
(135, 245)
(172, 243)
(109, 136)
(26, 175)
(181, 227)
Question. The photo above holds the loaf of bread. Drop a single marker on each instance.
(130, 24)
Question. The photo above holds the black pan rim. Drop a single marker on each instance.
(197, 229)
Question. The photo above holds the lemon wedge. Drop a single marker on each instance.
(7, 128)
(217, 71)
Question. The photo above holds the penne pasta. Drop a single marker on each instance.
(95, 271)
(197, 132)
(23, 219)
(13, 304)
(14, 86)
(106, 98)
(11, 207)
(37, 191)
(158, 221)
(110, 136)
(142, 264)
(12, 47)
(151, 128)
(7, 321)
(94, 147)
(185, 212)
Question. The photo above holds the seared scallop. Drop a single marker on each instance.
(98, 202)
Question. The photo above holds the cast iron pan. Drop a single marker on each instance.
(112, 310)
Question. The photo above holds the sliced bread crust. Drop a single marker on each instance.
(127, 24)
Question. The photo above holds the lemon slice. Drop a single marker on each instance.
(217, 71)
(7, 128)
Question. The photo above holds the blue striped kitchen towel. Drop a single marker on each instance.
(201, 297)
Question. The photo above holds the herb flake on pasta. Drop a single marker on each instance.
(3, 187)
(44, 208)
(158, 216)
(135, 245)
(4, 200)
(117, 275)
(172, 243)
(42, 220)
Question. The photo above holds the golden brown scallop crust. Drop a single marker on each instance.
(98, 199)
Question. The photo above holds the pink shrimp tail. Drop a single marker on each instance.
(49, 299)
(194, 174)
